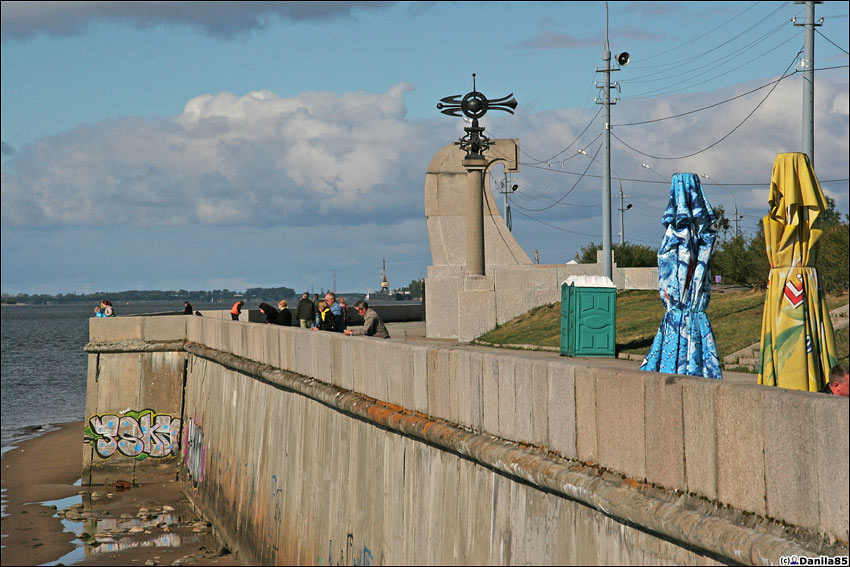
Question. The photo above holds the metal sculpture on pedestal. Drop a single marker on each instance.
(475, 105)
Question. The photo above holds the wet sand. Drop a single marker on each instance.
(115, 528)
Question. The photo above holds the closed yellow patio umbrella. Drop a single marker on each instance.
(797, 339)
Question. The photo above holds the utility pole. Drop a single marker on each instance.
(606, 156)
(738, 216)
(507, 201)
(622, 59)
(621, 209)
(807, 66)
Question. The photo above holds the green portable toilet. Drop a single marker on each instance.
(588, 316)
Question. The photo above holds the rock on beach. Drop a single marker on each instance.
(34, 533)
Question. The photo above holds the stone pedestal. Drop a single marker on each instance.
(476, 307)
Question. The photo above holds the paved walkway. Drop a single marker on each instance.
(414, 332)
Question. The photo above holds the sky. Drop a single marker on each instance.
(211, 145)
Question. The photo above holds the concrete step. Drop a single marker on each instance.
(746, 355)
(631, 356)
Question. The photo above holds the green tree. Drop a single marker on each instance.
(832, 257)
(833, 248)
(416, 288)
(756, 263)
(730, 260)
(829, 217)
(626, 255)
(722, 224)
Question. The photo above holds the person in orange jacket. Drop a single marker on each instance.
(237, 309)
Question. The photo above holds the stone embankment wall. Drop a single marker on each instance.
(134, 398)
(506, 292)
(313, 447)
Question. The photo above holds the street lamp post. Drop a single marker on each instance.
(649, 167)
(737, 216)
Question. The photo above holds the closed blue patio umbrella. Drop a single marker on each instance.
(685, 342)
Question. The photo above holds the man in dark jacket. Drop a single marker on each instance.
(373, 326)
(270, 313)
(306, 311)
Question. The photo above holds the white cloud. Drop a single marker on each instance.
(841, 104)
(255, 159)
(745, 156)
(324, 181)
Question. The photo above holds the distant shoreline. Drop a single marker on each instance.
(30, 433)
(376, 300)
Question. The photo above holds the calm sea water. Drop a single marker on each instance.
(44, 365)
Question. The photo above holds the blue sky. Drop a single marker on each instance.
(194, 145)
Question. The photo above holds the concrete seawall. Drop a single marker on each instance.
(313, 447)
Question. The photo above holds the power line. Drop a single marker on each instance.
(821, 181)
(666, 182)
(704, 107)
(528, 192)
(723, 43)
(586, 99)
(691, 41)
(728, 134)
(830, 41)
(570, 189)
(558, 227)
(720, 61)
(662, 90)
(577, 138)
(579, 233)
(563, 205)
(502, 236)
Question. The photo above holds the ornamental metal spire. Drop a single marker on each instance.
(475, 105)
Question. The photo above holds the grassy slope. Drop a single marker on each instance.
(735, 317)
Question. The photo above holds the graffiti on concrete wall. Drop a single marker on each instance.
(195, 453)
(349, 555)
(136, 434)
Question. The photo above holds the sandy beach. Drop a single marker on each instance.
(153, 524)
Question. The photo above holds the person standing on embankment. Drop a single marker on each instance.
(236, 310)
